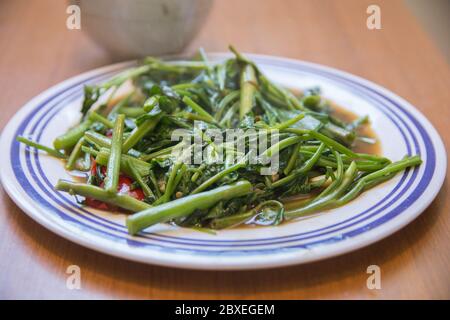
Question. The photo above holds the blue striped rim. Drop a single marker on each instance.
(321, 241)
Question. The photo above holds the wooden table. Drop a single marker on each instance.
(38, 51)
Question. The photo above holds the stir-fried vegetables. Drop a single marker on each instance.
(127, 148)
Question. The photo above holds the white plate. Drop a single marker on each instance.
(29, 177)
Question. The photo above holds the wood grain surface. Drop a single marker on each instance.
(37, 51)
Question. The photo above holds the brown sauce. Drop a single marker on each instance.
(347, 116)
(295, 202)
(365, 130)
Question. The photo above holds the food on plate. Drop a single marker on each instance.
(213, 146)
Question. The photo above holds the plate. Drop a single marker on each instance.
(29, 176)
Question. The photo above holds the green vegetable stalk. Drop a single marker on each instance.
(185, 206)
(113, 168)
(248, 89)
(97, 193)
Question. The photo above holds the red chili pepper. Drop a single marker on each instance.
(97, 204)
(124, 184)
(123, 187)
(109, 133)
(93, 167)
(137, 194)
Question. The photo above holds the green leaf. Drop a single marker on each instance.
(270, 213)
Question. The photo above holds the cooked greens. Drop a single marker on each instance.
(127, 148)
